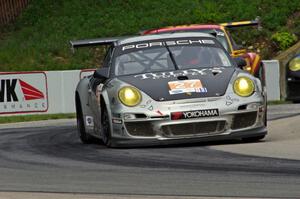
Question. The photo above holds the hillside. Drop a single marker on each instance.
(38, 40)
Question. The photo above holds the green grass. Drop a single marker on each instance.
(39, 38)
(28, 118)
(278, 102)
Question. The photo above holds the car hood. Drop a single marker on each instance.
(213, 83)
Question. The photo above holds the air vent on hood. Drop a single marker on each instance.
(182, 77)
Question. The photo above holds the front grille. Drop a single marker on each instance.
(243, 120)
(194, 128)
(140, 128)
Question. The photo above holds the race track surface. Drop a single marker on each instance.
(50, 158)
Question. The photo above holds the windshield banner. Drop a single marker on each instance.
(136, 46)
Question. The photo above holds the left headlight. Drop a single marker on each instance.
(130, 96)
(294, 65)
(243, 86)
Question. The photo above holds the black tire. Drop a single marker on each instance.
(106, 135)
(266, 116)
(266, 111)
(266, 119)
(84, 137)
(253, 139)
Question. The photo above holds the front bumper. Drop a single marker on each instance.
(238, 118)
(124, 142)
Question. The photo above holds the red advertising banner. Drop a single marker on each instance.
(23, 92)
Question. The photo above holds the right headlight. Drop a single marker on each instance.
(243, 86)
(294, 65)
(130, 96)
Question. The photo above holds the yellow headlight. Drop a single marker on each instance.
(130, 96)
(294, 65)
(243, 86)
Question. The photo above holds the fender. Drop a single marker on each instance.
(106, 103)
(104, 100)
(83, 91)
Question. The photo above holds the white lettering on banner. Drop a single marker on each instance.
(23, 92)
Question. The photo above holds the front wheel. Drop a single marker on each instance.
(106, 132)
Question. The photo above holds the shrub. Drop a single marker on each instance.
(284, 39)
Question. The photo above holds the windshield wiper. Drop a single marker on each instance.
(172, 57)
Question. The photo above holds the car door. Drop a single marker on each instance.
(96, 86)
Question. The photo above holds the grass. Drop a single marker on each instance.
(279, 102)
(28, 118)
(39, 38)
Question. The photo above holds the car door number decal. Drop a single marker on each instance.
(186, 86)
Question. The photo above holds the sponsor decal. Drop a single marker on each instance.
(150, 108)
(230, 100)
(186, 86)
(195, 105)
(23, 92)
(117, 121)
(160, 113)
(147, 105)
(194, 114)
(166, 75)
(89, 121)
(167, 43)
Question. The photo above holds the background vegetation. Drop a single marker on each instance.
(38, 40)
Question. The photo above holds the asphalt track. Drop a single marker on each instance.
(48, 158)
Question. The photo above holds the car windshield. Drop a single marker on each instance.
(220, 35)
(160, 59)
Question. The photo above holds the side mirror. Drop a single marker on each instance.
(101, 74)
(240, 62)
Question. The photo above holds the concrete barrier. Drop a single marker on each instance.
(272, 74)
(49, 95)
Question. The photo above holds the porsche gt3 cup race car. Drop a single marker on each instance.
(169, 88)
(254, 64)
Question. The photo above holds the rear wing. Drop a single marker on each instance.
(93, 42)
(256, 22)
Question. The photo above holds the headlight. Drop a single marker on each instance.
(130, 96)
(243, 86)
(294, 65)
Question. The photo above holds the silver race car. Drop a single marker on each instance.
(168, 88)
